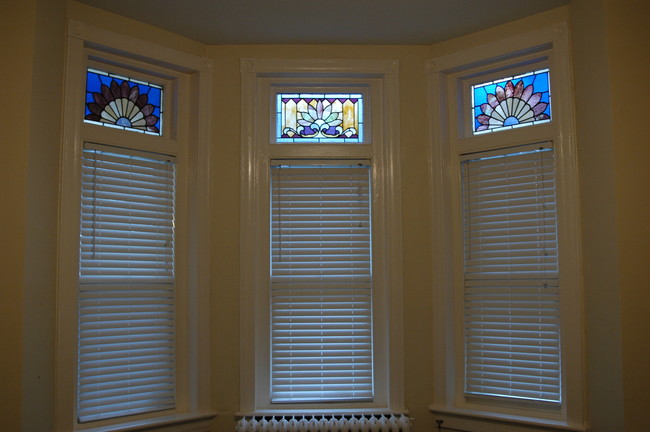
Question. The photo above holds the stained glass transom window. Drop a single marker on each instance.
(319, 117)
(125, 103)
(507, 103)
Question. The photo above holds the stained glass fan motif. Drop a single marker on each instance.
(124, 103)
(507, 103)
(319, 118)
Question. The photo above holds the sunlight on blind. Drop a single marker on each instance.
(126, 291)
(321, 283)
(512, 312)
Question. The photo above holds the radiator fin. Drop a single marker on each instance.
(325, 423)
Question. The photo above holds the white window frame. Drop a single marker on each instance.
(450, 78)
(378, 80)
(186, 138)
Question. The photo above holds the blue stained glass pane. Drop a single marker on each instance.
(480, 93)
(319, 117)
(507, 103)
(117, 101)
(154, 96)
(541, 83)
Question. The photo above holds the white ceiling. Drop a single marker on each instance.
(216, 22)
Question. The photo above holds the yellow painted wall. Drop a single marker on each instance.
(41, 218)
(600, 270)
(609, 52)
(16, 52)
(628, 51)
(610, 56)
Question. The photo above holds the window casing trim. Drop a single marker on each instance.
(449, 140)
(185, 74)
(258, 80)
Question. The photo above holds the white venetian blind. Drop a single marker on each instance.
(126, 361)
(321, 282)
(511, 318)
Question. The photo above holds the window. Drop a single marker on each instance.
(522, 100)
(127, 331)
(321, 282)
(319, 118)
(320, 189)
(508, 344)
(510, 272)
(117, 101)
(132, 265)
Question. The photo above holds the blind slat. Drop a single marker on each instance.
(321, 276)
(511, 318)
(126, 361)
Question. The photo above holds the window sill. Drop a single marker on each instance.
(171, 423)
(474, 420)
(318, 412)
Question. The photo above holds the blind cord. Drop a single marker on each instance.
(94, 220)
(280, 195)
(441, 427)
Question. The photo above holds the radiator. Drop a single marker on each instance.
(326, 423)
